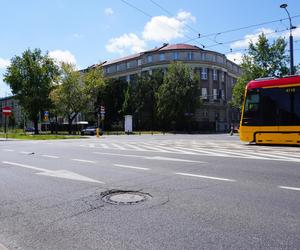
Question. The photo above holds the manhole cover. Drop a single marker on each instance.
(124, 197)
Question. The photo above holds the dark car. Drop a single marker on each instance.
(29, 129)
(90, 131)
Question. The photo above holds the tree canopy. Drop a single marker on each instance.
(69, 97)
(31, 77)
(264, 59)
(178, 96)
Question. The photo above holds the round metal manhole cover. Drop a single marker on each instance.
(125, 197)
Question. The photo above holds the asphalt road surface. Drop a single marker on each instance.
(149, 192)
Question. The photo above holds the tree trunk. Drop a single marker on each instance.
(36, 127)
(70, 125)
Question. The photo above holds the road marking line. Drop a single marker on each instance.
(171, 159)
(118, 146)
(8, 150)
(159, 158)
(206, 177)
(2, 247)
(25, 152)
(51, 156)
(135, 147)
(82, 160)
(102, 153)
(127, 166)
(55, 173)
(167, 149)
(24, 166)
(104, 146)
(290, 188)
(203, 151)
(241, 155)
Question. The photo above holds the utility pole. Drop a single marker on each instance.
(292, 70)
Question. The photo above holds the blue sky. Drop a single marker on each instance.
(91, 31)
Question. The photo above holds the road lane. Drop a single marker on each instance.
(185, 211)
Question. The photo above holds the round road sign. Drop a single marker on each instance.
(7, 111)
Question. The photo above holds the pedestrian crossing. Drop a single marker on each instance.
(233, 149)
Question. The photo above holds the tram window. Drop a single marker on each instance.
(252, 110)
(297, 106)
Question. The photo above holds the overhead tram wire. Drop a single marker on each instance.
(186, 25)
(240, 28)
(237, 40)
(245, 49)
(148, 15)
(136, 8)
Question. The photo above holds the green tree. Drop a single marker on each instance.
(263, 60)
(69, 97)
(113, 99)
(178, 96)
(145, 98)
(94, 85)
(31, 78)
(128, 106)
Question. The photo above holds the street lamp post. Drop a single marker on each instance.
(284, 6)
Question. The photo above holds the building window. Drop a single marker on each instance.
(204, 93)
(128, 78)
(139, 62)
(203, 56)
(215, 75)
(215, 94)
(128, 64)
(149, 59)
(223, 76)
(162, 56)
(118, 67)
(190, 56)
(108, 70)
(223, 94)
(175, 55)
(204, 73)
(205, 113)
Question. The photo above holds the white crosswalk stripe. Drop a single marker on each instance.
(202, 148)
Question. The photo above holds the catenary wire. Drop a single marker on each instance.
(148, 15)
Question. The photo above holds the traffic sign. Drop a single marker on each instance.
(7, 111)
(46, 116)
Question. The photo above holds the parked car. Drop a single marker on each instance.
(90, 131)
(29, 129)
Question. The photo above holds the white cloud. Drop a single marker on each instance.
(4, 88)
(63, 56)
(76, 36)
(126, 42)
(163, 28)
(253, 38)
(108, 11)
(4, 63)
(235, 57)
(185, 16)
(158, 29)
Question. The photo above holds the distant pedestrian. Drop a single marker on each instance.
(231, 129)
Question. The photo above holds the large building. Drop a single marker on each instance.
(217, 77)
(16, 118)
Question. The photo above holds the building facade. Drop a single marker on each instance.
(16, 118)
(217, 77)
